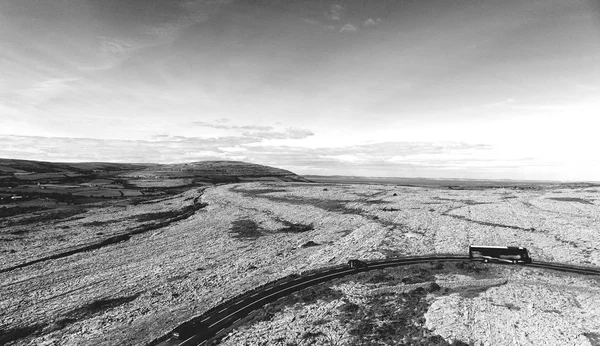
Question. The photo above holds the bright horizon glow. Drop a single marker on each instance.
(501, 89)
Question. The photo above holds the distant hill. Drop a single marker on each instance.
(461, 183)
(216, 171)
(210, 171)
(24, 166)
(39, 186)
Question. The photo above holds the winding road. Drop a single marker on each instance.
(214, 323)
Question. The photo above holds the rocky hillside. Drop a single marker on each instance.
(27, 166)
(217, 171)
(38, 186)
(211, 170)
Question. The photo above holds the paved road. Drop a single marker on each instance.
(214, 323)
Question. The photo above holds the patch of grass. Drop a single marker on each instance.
(256, 192)
(6, 212)
(335, 206)
(184, 213)
(175, 214)
(87, 311)
(485, 223)
(380, 276)
(177, 278)
(374, 201)
(594, 338)
(399, 275)
(312, 294)
(473, 291)
(160, 215)
(472, 202)
(331, 205)
(390, 209)
(246, 229)
(51, 216)
(390, 319)
(471, 267)
(391, 253)
(320, 322)
(511, 306)
(97, 307)
(345, 232)
(422, 275)
(306, 296)
(97, 223)
(312, 335)
(571, 199)
(58, 325)
(464, 201)
(13, 334)
(295, 227)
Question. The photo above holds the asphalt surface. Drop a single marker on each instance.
(213, 324)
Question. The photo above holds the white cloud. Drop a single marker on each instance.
(43, 91)
(116, 49)
(410, 159)
(335, 12)
(114, 46)
(348, 27)
(202, 153)
(233, 149)
(371, 22)
(289, 133)
(222, 124)
(259, 132)
(351, 158)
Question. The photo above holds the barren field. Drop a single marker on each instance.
(147, 267)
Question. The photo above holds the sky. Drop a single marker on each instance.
(487, 89)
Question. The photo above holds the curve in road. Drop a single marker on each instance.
(211, 325)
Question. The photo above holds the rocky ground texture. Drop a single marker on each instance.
(202, 246)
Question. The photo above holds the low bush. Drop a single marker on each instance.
(246, 229)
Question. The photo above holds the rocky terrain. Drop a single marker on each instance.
(440, 304)
(126, 271)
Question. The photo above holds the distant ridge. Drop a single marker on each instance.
(446, 182)
(217, 170)
(22, 166)
(210, 171)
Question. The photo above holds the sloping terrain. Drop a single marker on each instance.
(28, 166)
(29, 186)
(438, 304)
(217, 172)
(207, 244)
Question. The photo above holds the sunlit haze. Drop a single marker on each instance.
(498, 89)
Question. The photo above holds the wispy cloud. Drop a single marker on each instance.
(44, 90)
(335, 12)
(112, 52)
(425, 159)
(348, 28)
(371, 22)
(259, 132)
(161, 23)
(222, 124)
(289, 133)
(506, 102)
(148, 67)
(162, 149)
